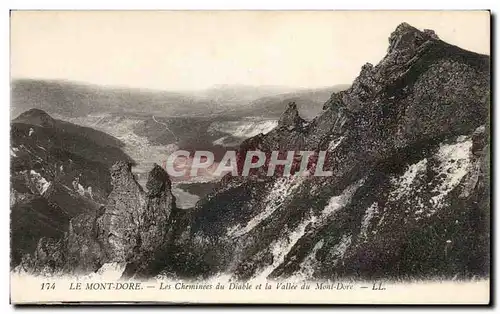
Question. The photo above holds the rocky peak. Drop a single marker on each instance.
(134, 224)
(290, 119)
(408, 38)
(120, 170)
(132, 228)
(406, 44)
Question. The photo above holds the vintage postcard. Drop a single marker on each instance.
(255, 157)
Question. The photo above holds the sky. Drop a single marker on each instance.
(192, 50)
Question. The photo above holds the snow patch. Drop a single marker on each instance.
(306, 267)
(107, 272)
(81, 190)
(337, 202)
(184, 199)
(111, 271)
(338, 251)
(281, 247)
(245, 128)
(89, 192)
(453, 163)
(41, 183)
(220, 141)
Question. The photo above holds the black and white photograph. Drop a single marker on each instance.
(333, 157)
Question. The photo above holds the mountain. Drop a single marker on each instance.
(58, 170)
(408, 199)
(70, 99)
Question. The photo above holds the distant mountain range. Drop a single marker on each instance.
(75, 99)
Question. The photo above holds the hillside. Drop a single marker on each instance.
(408, 144)
(58, 171)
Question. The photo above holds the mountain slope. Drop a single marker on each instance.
(409, 195)
(74, 100)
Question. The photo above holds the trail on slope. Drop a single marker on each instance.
(167, 128)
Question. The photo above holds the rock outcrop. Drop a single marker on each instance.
(59, 170)
(403, 144)
(119, 224)
(135, 224)
(408, 146)
(131, 229)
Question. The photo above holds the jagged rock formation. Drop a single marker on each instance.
(131, 229)
(408, 198)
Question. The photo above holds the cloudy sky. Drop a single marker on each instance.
(195, 50)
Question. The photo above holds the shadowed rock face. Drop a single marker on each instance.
(84, 253)
(58, 171)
